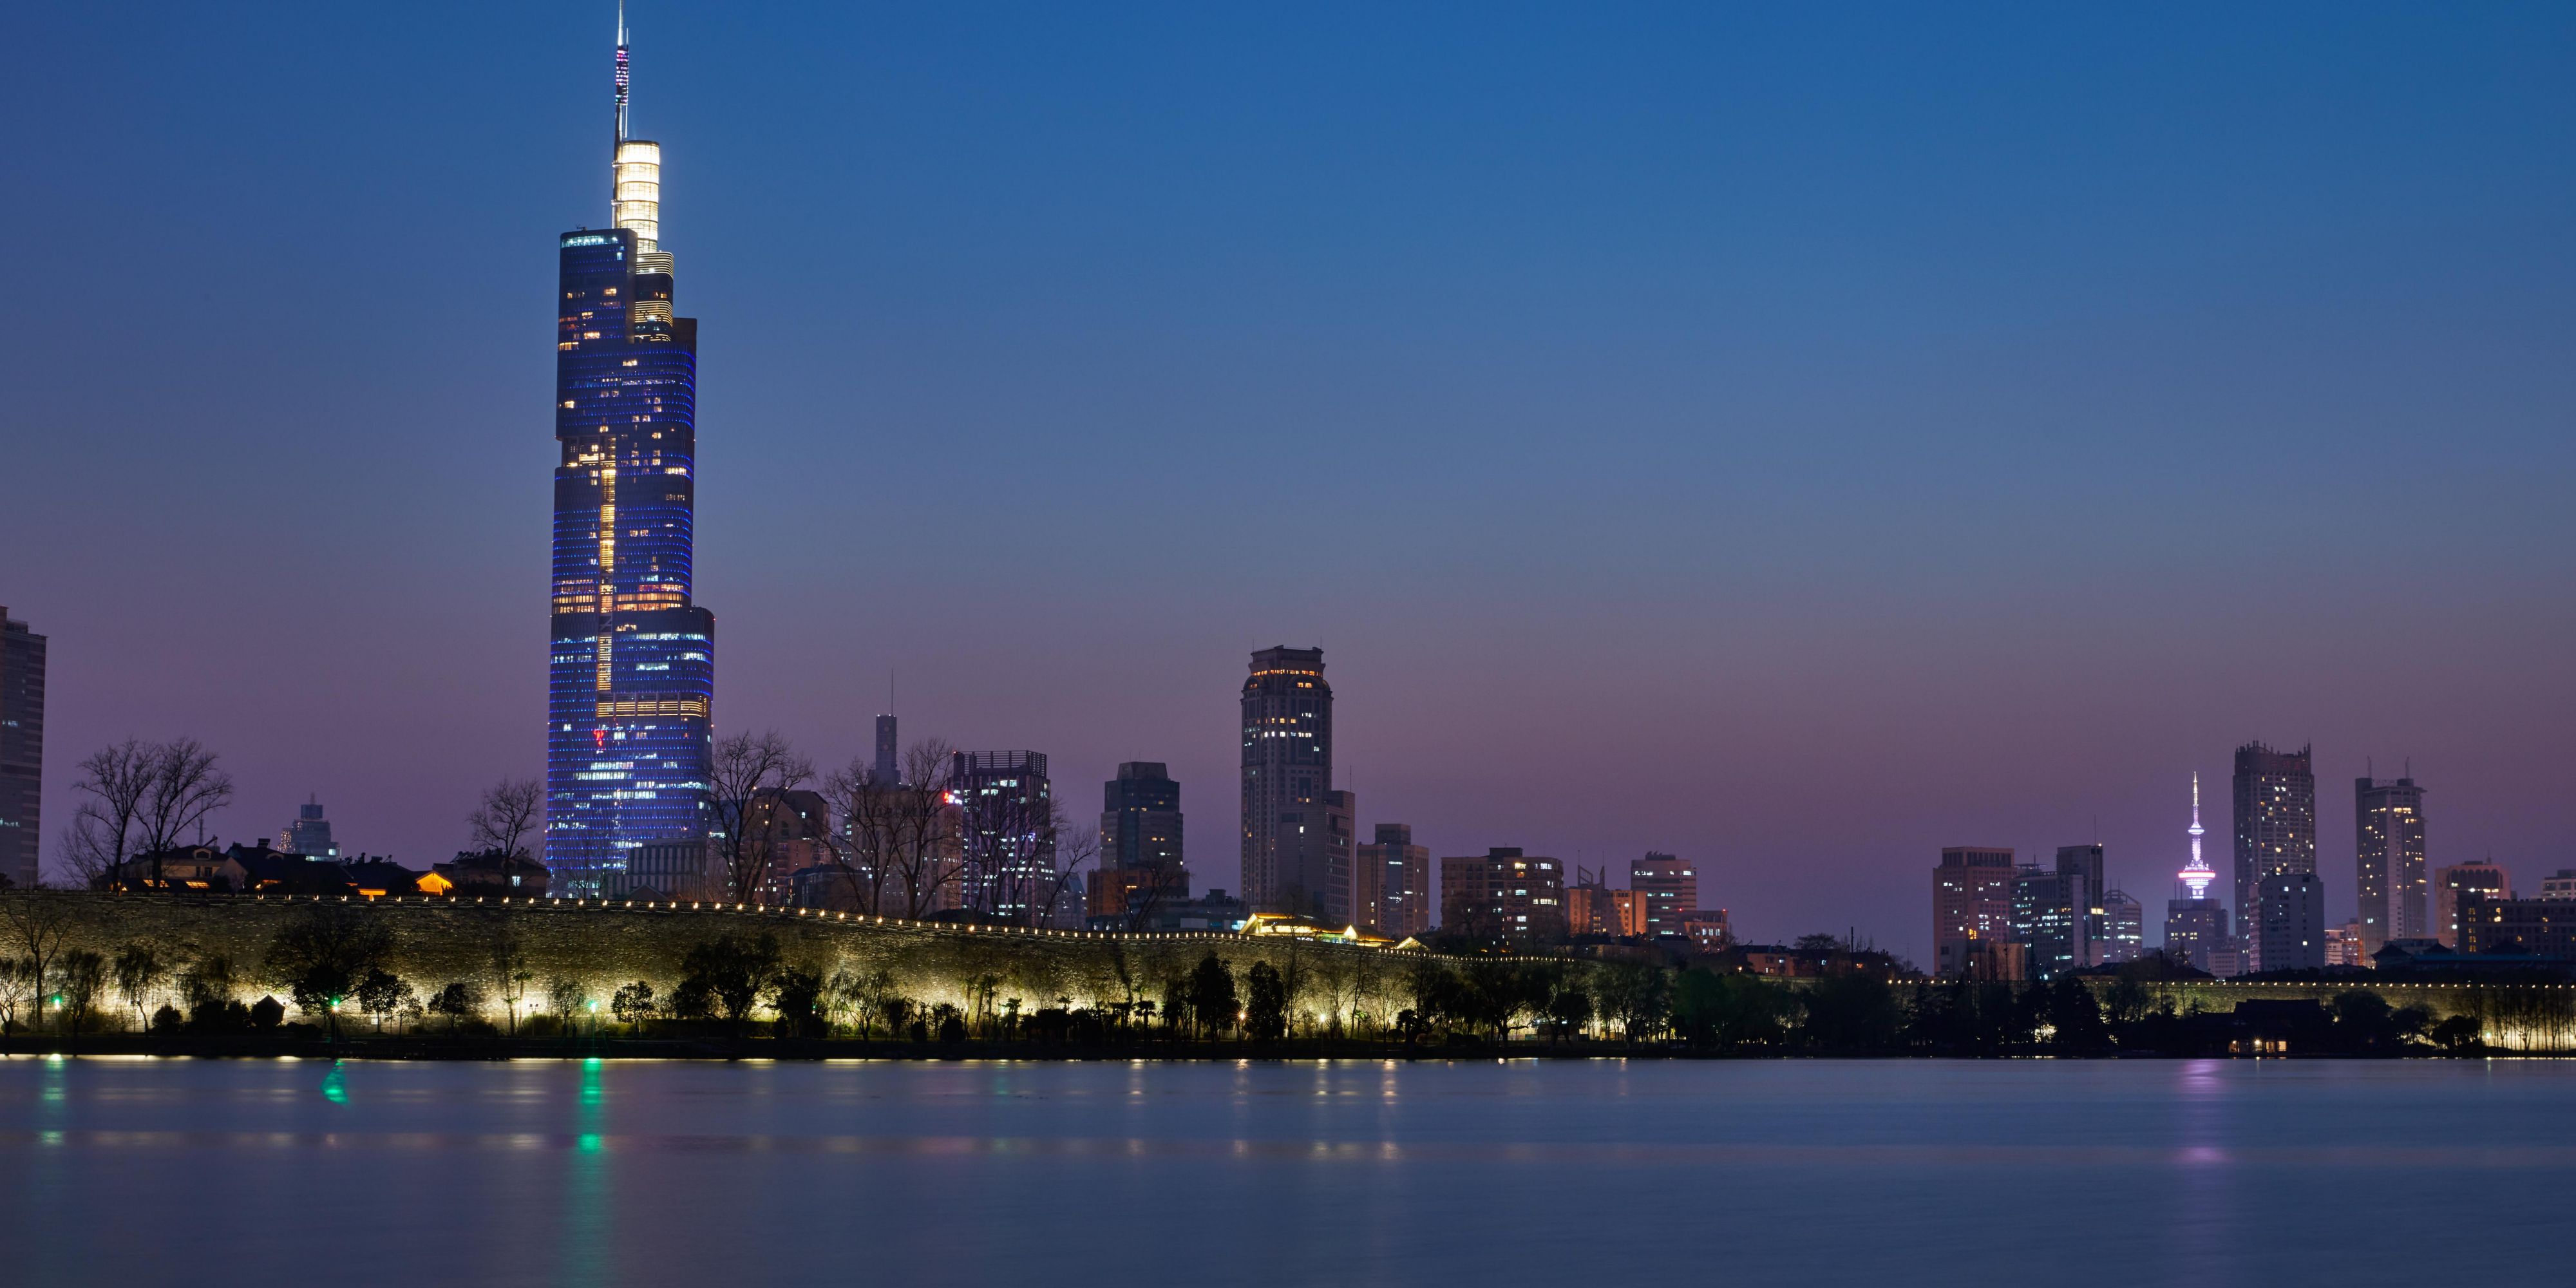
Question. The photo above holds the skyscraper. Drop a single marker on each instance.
(1006, 831)
(1287, 769)
(2276, 829)
(631, 674)
(2123, 930)
(2388, 865)
(1405, 901)
(2458, 883)
(889, 765)
(1140, 843)
(22, 749)
(1668, 888)
(2048, 910)
(2081, 865)
(309, 835)
(1972, 903)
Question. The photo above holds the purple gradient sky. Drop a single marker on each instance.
(1795, 440)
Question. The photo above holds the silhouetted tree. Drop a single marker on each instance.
(509, 811)
(320, 956)
(1265, 1008)
(1211, 995)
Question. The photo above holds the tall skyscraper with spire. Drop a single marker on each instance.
(631, 675)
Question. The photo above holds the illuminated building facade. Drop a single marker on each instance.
(1972, 904)
(1667, 889)
(1288, 856)
(2276, 832)
(2048, 910)
(2124, 930)
(1395, 884)
(22, 749)
(2459, 882)
(631, 674)
(2388, 831)
(1006, 828)
(1504, 895)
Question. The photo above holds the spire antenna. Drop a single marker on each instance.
(621, 71)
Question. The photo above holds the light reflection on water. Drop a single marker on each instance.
(1368, 1172)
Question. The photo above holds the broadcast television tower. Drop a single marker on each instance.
(2197, 874)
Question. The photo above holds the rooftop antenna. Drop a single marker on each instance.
(621, 71)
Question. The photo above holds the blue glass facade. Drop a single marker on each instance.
(631, 678)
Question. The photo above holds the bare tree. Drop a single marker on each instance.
(186, 788)
(508, 812)
(105, 828)
(748, 768)
(34, 924)
(921, 848)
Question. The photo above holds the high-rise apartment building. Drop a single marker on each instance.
(2388, 829)
(1668, 888)
(2276, 830)
(631, 670)
(1140, 842)
(2458, 883)
(1395, 884)
(309, 835)
(1288, 857)
(1006, 833)
(22, 750)
(1504, 895)
(1972, 903)
(2292, 935)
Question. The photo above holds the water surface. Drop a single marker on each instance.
(1920, 1172)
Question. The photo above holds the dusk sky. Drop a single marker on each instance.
(1796, 439)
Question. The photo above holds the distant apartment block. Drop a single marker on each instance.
(2459, 882)
(2388, 863)
(1668, 887)
(1505, 895)
(22, 750)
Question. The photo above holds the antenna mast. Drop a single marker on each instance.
(621, 71)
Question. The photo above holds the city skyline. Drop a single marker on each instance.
(1589, 654)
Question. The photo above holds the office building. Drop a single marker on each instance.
(2462, 881)
(1287, 771)
(2388, 830)
(1503, 895)
(2293, 932)
(1972, 903)
(1140, 841)
(2560, 884)
(2048, 911)
(2343, 945)
(2082, 866)
(2276, 832)
(2124, 931)
(1395, 885)
(1006, 834)
(1667, 888)
(2228, 958)
(309, 835)
(1588, 909)
(631, 669)
(22, 750)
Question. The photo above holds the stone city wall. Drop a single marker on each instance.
(603, 945)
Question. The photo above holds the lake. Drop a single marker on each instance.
(1912, 1171)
